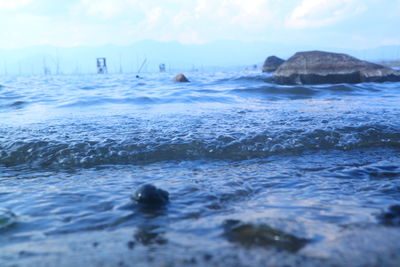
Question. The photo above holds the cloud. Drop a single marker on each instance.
(199, 21)
(320, 13)
(100, 8)
(12, 5)
(191, 21)
(121, 22)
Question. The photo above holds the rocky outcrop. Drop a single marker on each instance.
(318, 67)
(272, 63)
(181, 78)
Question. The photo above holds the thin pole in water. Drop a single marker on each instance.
(141, 67)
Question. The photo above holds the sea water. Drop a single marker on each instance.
(312, 163)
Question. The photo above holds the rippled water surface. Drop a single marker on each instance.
(257, 173)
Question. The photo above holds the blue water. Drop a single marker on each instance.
(316, 162)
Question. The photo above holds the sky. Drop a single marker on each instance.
(337, 23)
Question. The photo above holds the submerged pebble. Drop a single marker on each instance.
(390, 217)
(7, 218)
(150, 195)
(261, 235)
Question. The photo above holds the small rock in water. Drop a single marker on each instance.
(272, 63)
(181, 78)
(391, 217)
(131, 244)
(150, 195)
(261, 235)
(7, 218)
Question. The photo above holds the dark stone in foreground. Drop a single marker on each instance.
(272, 63)
(148, 236)
(180, 78)
(261, 235)
(318, 67)
(151, 196)
(391, 217)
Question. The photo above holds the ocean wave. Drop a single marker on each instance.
(264, 77)
(89, 153)
(103, 101)
(307, 91)
(274, 91)
(94, 91)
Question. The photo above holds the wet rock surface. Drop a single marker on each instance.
(391, 217)
(272, 63)
(151, 196)
(261, 235)
(319, 67)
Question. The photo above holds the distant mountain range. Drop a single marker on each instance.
(176, 56)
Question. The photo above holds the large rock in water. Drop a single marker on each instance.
(318, 67)
(272, 63)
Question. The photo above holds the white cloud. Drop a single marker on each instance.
(12, 5)
(190, 21)
(101, 8)
(319, 13)
(199, 21)
(94, 22)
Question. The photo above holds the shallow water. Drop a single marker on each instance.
(316, 163)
